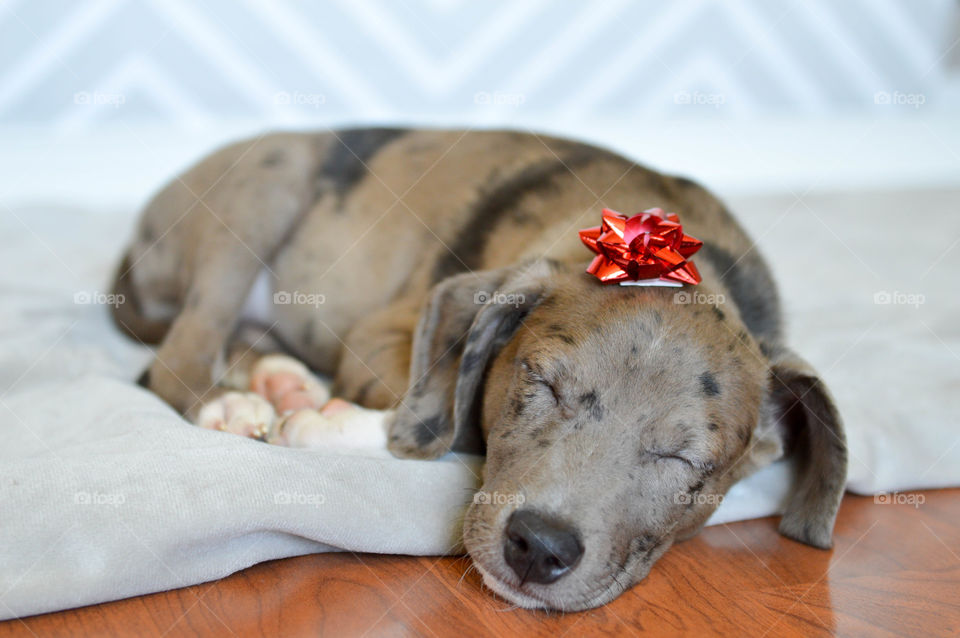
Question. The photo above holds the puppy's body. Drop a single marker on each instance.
(440, 272)
(371, 219)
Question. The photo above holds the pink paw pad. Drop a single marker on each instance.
(287, 384)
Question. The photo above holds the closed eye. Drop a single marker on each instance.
(675, 456)
(552, 388)
(536, 377)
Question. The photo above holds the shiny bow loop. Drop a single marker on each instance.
(649, 245)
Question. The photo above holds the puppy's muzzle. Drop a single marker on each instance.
(538, 550)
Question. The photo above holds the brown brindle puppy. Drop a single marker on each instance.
(453, 286)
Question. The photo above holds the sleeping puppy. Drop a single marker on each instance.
(440, 273)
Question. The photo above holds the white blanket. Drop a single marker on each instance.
(106, 493)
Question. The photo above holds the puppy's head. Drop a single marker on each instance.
(615, 419)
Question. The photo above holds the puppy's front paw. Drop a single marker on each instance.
(340, 425)
(412, 436)
(287, 384)
(243, 413)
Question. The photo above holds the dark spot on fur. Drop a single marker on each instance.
(345, 163)
(766, 349)
(713, 427)
(559, 332)
(452, 343)
(516, 406)
(697, 486)
(750, 284)
(471, 359)
(645, 544)
(273, 158)
(473, 336)
(547, 302)
(522, 217)
(365, 389)
(685, 183)
(429, 430)
(708, 385)
(419, 388)
(591, 403)
(498, 198)
(718, 313)
(544, 443)
(147, 233)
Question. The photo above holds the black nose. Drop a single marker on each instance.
(537, 550)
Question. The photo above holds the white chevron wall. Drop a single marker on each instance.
(101, 101)
(83, 64)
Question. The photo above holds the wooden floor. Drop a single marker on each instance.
(895, 570)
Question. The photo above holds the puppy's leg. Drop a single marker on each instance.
(258, 192)
(374, 367)
(183, 371)
(227, 260)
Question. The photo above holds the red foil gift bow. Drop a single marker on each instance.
(649, 245)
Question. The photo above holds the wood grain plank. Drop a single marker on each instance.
(895, 571)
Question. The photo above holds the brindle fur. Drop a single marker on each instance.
(616, 409)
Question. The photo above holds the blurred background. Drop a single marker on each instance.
(102, 100)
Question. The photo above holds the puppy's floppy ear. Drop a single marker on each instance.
(802, 410)
(465, 320)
